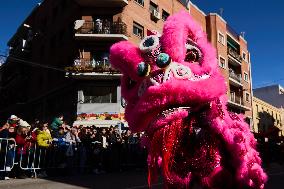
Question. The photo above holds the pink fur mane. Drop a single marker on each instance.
(187, 94)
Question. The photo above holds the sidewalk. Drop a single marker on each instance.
(118, 180)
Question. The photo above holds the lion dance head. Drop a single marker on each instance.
(177, 95)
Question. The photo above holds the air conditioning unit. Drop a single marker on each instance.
(156, 15)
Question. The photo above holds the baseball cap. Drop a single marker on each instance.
(13, 117)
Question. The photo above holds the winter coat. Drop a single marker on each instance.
(43, 138)
(72, 139)
(24, 144)
(56, 124)
(60, 139)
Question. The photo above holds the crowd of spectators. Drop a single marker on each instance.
(42, 149)
(58, 148)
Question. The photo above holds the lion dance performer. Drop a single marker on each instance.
(177, 95)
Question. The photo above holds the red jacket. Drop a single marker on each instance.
(24, 144)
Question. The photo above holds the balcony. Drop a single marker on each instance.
(232, 32)
(234, 78)
(100, 30)
(236, 99)
(102, 3)
(92, 69)
(237, 102)
(234, 56)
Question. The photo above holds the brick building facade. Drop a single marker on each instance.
(52, 43)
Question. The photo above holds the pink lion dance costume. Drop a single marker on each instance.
(176, 94)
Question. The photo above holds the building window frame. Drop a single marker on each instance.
(139, 2)
(98, 95)
(246, 78)
(247, 94)
(221, 40)
(153, 6)
(138, 27)
(220, 64)
(257, 110)
(165, 15)
(244, 56)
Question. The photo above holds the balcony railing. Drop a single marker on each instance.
(233, 75)
(100, 27)
(234, 54)
(236, 99)
(87, 66)
(232, 31)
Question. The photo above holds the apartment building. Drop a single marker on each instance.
(273, 94)
(66, 46)
(267, 118)
(234, 61)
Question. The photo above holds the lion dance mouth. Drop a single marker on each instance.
(177, 95)
(190, 152)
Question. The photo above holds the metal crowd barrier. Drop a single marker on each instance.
(7, 154)
(31, 159)
(53, 157)
(71, 157)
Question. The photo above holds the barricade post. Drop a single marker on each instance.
(7, 153)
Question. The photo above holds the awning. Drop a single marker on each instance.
(99, 123)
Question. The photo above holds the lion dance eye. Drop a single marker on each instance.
(193, 53)
(143, 69)
(150, 48)
(163, 60)
(149, 44)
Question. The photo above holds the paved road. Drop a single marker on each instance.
(124, 180)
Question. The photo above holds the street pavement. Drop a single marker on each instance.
(119, 180)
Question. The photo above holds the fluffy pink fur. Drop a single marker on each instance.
(143, 112)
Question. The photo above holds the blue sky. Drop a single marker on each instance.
(262, 21)
(12, 14)
(263, 24)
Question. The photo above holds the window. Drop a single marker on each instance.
(221, 38)
(140, 2)
(222, 62)
(246, 76)
(99, 94)
(248, 121)
(100, 57)
(138, 30)
(153, 7)
(247, 97)
(232, 96)
(244, 56)
(165, 15)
